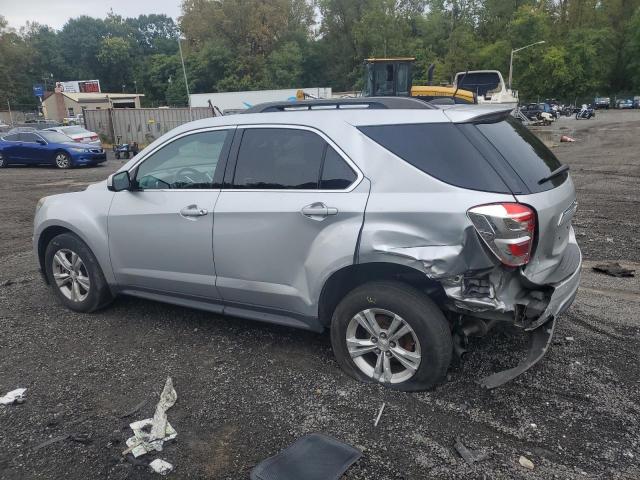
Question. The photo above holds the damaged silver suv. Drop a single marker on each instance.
(402, 227)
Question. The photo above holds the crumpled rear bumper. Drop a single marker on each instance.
(541, 331)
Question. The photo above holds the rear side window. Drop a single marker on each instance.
(440, 150)
(526, 154)
(336, 174)
(279, 158)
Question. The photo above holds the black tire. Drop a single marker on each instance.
(3, 161)
(416, 309)
(98, 295)
(63, 160)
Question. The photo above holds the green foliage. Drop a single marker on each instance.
(592, 47)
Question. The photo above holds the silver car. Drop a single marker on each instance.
(402, 227)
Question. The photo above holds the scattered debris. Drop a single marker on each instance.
(151, 433)
(608, 239)
(569, 339)
(469, 456)
(379, 415)
(6, 283)
(14, 396)
(135, 409)
(614, 269)
(136, 462)
(526, 463)
(50, 441)
(84, 438)
(302, 460)
(161, 467)
(567, 138)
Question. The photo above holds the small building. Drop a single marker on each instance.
(60, 105)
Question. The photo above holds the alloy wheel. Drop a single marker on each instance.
(383, 345)
(71, 275)
(62, 160)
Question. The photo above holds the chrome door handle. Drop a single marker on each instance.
(193, 211)
(318, 211)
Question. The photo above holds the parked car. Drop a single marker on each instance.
(534, 111)
(79, 134)
(38, 124)
(602, 102)
(624, 103)
(636, 102)
(46, 147)
(334, 218)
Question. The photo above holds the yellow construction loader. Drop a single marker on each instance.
(393, 77)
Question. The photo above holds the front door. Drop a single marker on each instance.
(160, 233)
(291, 218)
(33, 148)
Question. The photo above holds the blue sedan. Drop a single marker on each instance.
(51, 148)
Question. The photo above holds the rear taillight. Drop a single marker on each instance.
(94, 138)
(508, 229)
(77, 139)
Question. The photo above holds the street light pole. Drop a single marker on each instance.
(184, 72)
(511, 59)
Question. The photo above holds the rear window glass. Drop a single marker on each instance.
(526, 154)
(336, 174)
(440, 150)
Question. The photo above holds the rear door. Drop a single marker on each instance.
(288, 217)
(554, 199)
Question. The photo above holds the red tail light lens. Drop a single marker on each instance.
(508, 229)
(94, 137)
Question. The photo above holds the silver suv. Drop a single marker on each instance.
(402, 227)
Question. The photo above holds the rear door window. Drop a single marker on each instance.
(279, 158)
(524, 152)
(440, 150)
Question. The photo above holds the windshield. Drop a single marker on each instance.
(478, 82)
(74, 130)
(55, 137)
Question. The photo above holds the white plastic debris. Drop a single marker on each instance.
(151, 433)
(14, 396)
(161, 467)
(526, 463)
(379, 415)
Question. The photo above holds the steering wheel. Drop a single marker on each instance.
(190, 176)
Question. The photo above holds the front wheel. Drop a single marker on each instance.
(3, 161)
(75, 275)
(393, 334)
(63, 160)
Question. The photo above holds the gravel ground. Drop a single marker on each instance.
(247, 390)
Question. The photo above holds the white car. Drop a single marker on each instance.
(78, 134)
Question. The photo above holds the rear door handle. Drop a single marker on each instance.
(318, 211)
(193, 211)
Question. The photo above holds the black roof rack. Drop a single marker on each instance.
(372, 103)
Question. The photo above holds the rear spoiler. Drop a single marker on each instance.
(482, 115)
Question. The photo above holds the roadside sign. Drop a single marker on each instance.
(38, 90)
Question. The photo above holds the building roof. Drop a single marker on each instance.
(93, 97)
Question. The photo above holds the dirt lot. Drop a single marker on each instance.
(247, 390)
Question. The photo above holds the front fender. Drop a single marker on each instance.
(83, 213)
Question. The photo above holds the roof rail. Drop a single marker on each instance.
(371, 103)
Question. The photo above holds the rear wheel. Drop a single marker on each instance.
(3, 161)
(63, 160)
(391, 333)
(75, 275)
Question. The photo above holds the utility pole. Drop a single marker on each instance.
(10, 117)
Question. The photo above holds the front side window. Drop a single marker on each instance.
(279, 158)
(29, 137)
(188, 162)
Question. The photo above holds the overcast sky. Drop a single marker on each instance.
(55, 13)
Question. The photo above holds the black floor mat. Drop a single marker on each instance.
(312, 457)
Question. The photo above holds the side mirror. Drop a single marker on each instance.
(41, 142)
(119, 181)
